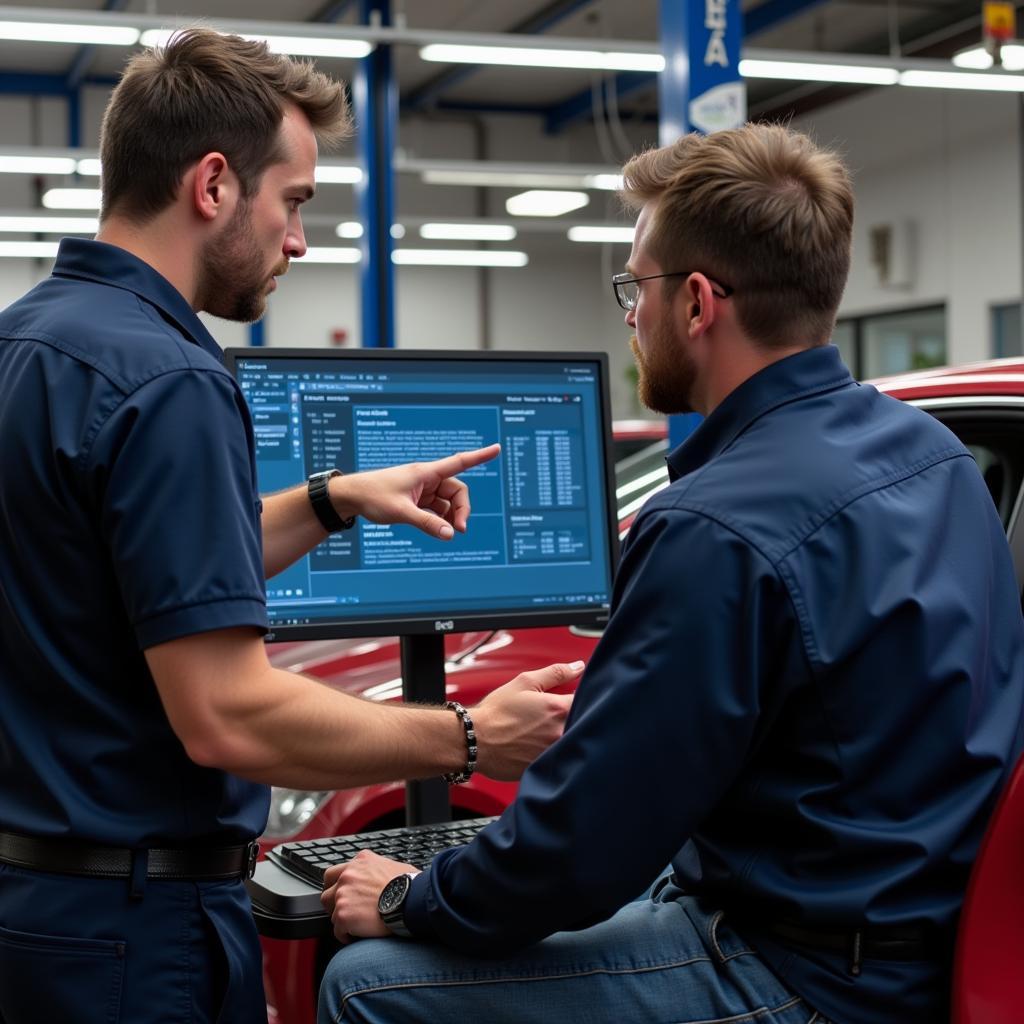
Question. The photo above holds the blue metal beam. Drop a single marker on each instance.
(581, 105)
(771, 12)
(334, 10)
(427, 94)
(80, 65)
(14, 83)
(490, 108)
(375, 94)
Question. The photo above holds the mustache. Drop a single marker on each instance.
(281, 269)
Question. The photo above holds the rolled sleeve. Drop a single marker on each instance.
(174, 477)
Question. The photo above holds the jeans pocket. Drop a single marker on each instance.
(46, 978)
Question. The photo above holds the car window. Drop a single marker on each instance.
(624, 447)
(639, 475)
(995, 437)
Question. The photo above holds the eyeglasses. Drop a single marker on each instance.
(627, 287)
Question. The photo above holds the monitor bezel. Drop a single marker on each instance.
(442, 624)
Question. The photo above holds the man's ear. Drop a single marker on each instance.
(214, 187)
(696, 303)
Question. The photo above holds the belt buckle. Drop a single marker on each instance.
(252, 853)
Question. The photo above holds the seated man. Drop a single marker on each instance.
(807, 697)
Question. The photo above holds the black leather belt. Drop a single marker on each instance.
(71, 857)
(869, 943)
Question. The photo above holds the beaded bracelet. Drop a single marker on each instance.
(455, 778)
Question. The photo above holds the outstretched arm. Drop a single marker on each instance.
(426, 495)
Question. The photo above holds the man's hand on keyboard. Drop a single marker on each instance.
(522, 719)
(351, 892)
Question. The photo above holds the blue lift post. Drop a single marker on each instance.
(376, 110)
(699, 90)
(422, 657)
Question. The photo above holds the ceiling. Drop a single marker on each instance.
(903, 27)
(554, 109)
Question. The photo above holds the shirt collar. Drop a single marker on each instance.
(808, 372)
(112, 265)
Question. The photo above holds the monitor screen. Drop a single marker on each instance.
(541, 544)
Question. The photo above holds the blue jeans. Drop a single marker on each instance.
(665, 959)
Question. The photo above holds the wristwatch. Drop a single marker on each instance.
(391, 904)
(320, 499)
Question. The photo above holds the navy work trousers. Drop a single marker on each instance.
(90, 951)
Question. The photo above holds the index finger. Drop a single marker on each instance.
(461, 461)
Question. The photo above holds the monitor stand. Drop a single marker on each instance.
(426, 800)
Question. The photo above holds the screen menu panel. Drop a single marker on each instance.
(538, 536)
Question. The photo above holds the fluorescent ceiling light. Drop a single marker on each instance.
(51, 225)
(353, 229)
(587, 233)
(470, 232)
(72, 199)
(800, 71)
(41, 32)
(37, 165)
(32, 250)
(299, 46)
(507, 179)
(458, 258)
(330, 254)
(542, 57)
(315, 46)
(542, 203)
(89, 168)
(977, 58)
(338, 174)
(987, 81)
(608, 182)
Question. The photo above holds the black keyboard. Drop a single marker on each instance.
(416, 845)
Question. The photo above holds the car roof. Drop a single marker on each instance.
(990, 377)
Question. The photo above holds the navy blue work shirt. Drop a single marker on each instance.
(807, 697)
(129, 516)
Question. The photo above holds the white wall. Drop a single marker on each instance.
(949, 162)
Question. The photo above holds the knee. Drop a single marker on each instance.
(353, 971)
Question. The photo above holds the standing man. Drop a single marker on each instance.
(808, 695)
(141, 719)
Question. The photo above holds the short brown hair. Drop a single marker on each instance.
(205, 92)
(761, 208)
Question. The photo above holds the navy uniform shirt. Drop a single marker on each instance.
(129, 516)
(807, 697)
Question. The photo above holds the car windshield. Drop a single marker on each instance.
(639, 475)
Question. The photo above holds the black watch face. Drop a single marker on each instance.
(393, 894)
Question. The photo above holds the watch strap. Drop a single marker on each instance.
(320, 500)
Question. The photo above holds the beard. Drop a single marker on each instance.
(232, 282)
(666, 372)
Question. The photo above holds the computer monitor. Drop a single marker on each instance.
(542, 543)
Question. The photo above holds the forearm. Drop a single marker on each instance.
(290, 528)
(232, 710)
(286, 730)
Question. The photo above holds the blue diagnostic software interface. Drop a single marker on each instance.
(539, 547)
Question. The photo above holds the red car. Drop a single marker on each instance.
(982, 403)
